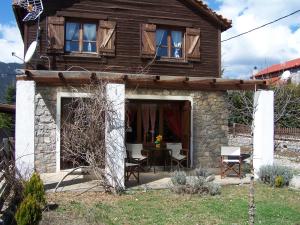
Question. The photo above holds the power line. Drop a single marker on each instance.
(256, 28)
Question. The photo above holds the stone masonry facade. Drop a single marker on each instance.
(210, 124)
(45, 130)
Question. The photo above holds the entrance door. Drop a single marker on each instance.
(67, 159)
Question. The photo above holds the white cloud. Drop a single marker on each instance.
(276, 43)
(10, 41)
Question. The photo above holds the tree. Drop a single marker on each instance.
(286, 106)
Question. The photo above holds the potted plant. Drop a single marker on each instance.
(158, 141)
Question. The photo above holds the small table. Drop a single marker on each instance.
(153, 160)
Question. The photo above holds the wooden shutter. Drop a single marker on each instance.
(148, 40)
(107, 37)
(193, 44)
(56, 33)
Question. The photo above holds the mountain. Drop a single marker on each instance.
(7, 76)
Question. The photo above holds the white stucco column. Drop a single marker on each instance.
(24, 144)
(263, 136)
(115, 135)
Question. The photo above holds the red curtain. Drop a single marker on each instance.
(145, 116)
(172, 114)
(131, 111)
(152, 120)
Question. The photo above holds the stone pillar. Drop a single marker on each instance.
(263, 135)
(24, 145)
(115, 135)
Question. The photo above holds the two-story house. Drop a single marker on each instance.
(166, 54)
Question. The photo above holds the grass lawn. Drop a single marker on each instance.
(274, 206)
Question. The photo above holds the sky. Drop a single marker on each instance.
(276, 43)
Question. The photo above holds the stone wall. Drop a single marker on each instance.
(281, 143)
(45, 129)
(210, 130)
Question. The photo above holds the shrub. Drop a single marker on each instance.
(179, 178)
(279, 181)
(29, 212)
(202, 172)
(193, 185)
(268, 174)
(213, 188)
(35, 188)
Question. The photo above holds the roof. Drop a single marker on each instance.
(198, 4)
(79, 78)
(279, 67)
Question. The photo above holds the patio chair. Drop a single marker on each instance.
(230, 159)
(132, 169)
(176, 156)
(135, 154)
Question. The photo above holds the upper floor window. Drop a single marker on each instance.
(81, 37)
(169, 43)
(181, 44)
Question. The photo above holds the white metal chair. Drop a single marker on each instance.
(135, 154)
(230, 159)
(176, 156)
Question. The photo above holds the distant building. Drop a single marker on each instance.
(281, 72)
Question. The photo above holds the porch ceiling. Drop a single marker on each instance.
(77, 78)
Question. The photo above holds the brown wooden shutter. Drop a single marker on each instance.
(193, 44)
(107, 37)
(56, 33)
(148, 40)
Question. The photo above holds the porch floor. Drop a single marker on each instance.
(148, 181)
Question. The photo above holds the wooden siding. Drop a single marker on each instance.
(129, 15)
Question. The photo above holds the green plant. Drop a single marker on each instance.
(213, 188)
(193, 185)
(268, 174)
(279, 181)
(178, 178)
(29, 212)
(35, 188)
(202, 172)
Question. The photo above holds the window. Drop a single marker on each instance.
(169, 43)
(81, 37)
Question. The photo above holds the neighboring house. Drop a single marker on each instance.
(281, 72)
(174, 46)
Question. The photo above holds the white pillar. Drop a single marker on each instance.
(263, 136)
(115, 135)
(24, 144)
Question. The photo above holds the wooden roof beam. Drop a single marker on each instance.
(6, 108)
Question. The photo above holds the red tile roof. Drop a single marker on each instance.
(279, 67)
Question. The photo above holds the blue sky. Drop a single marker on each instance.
(274, 44)
(6, 13)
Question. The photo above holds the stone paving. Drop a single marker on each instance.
(149, 181)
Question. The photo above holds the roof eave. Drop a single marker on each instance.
(17, 15)
(224, 23)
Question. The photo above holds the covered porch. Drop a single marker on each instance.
(199, 121)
